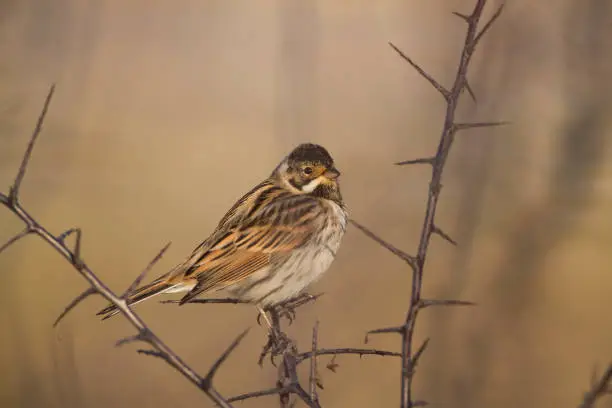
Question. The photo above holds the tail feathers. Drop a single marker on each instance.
(143, 293)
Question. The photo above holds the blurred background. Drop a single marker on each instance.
(167, 112)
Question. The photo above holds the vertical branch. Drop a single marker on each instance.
(429, 227)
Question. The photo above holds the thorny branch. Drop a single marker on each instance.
(599, 387)
(280, 344)
(437, 163)
(73, 256)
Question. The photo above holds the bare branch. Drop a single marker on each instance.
(429, 228)
(443, 91)
(145, 271)
(356, 351)
(257, 394)
(84, 295)
(397, 252)
(73, 257)
(14, 190)
(599, 388)
(16, 238)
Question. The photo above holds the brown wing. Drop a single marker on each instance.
(272, 222)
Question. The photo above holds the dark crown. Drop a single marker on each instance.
(312, 153)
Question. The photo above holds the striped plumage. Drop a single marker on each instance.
(275, 241)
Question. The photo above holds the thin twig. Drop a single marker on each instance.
(355, 351)
(73, 257)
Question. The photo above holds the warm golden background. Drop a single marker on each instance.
(166, 112)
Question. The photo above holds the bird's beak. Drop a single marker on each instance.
(332, 173)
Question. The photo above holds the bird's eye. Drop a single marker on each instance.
(307, 170)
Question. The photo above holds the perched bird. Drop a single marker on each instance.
(275, 241)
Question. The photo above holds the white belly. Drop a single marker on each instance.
(304, 266)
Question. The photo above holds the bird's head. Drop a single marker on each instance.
(309, 169)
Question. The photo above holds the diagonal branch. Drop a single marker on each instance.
(73, 257)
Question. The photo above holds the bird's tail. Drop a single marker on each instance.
(143, 293)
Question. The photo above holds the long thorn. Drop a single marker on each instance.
(443, 235)
(419, 353)
(84, 295)
(16, 238)
(146, 270)
(398, 252)
(14, 191)
(424, 303)
(422, 160)
(443, 91)
(395, 329)
(464, 126)
(488, 25)
(207, 381)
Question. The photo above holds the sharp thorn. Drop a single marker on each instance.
(488, 25)
(443, 235)
(14, 190)
(470, 91)
(464, 126)
(395, 329)
(85, 294)
(443, 91)
(16, 238)
(415, 359)
(424, 160)
(143, 335)
(64, 235)
(424, 303)
(207, 381)
(146, 270)
(462, 16)
(76, 254)
(397, 252)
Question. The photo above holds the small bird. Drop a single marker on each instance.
(275, 241)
